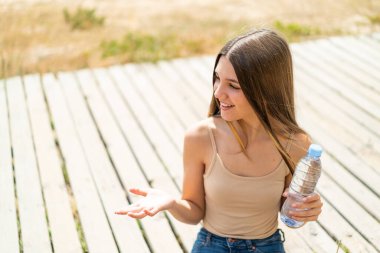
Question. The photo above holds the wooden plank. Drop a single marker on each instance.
(61, 220)
(190, 76)
(376, 36)
(358, 139)
(351, 73)
(293, 242)
(358, 63)
(362, 48)
(349, 208)
(34, 227)
(365, 173)
(347, 158)
(127, 165)
(192, 98)
(112, 136)
(360, 101)
(311, 82)
(354, 68)
(371, 45)
(9, 240)
(164, 87)
(93, 220)
(170, 110)
(125, 232)
(168, 152)
(347, 181)
(153, 168)
(205, 73)
(309, 238)
(341, 230)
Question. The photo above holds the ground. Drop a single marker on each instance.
(34, 36)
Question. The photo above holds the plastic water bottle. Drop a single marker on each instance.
(305, 178)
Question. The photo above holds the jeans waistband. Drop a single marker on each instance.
(274, 238)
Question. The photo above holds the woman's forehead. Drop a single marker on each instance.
(225, 68)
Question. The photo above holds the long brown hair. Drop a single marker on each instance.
(263, 65)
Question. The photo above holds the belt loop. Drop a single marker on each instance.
(208, 238)
(250, 246)
(282, 235)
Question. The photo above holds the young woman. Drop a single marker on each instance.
(239, 161)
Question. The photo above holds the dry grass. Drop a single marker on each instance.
(34, 37)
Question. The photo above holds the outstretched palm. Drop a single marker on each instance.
(154, 201)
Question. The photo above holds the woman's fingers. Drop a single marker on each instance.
(305, 213)
(137, 211)
(313, 197)
(137, 215)
(307, 210)
(311, 205)
(139, 191)
(151, 211)
(136, 207)
(286, 193)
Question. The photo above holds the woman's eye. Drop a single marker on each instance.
(234, 87)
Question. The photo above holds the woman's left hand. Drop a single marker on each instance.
(308, 209)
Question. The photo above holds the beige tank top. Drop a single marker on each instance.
(242, 207)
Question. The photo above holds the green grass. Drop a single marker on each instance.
(375, 19)
(139, 47)
(343, 247)
(82, 19)
(294, 31)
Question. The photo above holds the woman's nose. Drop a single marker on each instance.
(218, 91)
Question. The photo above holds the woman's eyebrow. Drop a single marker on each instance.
(228, 79)
(232, 80)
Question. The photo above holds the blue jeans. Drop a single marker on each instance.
(207, 242)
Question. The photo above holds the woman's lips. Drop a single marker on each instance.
(225, 106)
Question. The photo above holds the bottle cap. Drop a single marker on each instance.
(315, 150)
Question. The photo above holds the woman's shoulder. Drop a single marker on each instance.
(197, 141)
(200, 130)
(300, 143)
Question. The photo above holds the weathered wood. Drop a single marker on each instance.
(110, 132)
(62, 226)
(9, 240)
(195, 81)
(156, 132)
(346, 206)
(123, 127)
(345, 66)
(125, 232)
(165, 89)
(93, 220)
(155, 90)
(153, 167)
(34, 227)
(365, 104)
(130, 172)
(184, 86)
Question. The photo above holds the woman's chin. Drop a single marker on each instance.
(227, 117)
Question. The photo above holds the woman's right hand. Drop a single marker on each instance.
(153, 202)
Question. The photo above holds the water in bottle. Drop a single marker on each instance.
(305, 178)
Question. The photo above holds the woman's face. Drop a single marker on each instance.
(233, 104)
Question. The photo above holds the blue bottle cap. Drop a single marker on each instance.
(315, 150)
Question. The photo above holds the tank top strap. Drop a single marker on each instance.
(212, 138)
